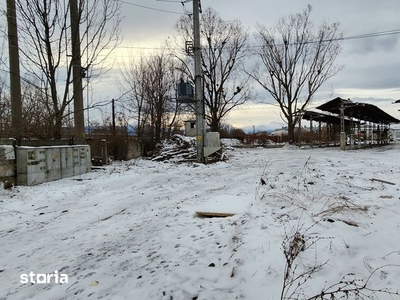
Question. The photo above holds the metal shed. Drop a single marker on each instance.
(361, 111)
(363, 120)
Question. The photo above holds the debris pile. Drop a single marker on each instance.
(178, 148)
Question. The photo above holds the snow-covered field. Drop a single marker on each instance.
(130, 231)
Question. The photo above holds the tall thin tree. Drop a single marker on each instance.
(149, 83)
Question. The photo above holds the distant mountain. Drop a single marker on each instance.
(261, 128)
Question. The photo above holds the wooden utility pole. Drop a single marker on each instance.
(113, 116)
(79, 125)
(15, 78)
(198, 86)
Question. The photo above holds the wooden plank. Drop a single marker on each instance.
(383, 181)
(210, 214)
(109, 217)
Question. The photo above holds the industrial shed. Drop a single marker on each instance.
(358, 124)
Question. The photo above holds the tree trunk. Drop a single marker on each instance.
(57, 129)
(291, 132)
(158, 128)
(214, 125)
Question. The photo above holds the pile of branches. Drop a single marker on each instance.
(178, 148)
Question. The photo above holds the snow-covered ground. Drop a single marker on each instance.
(130, 231)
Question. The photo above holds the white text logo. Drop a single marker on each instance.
(44, 278)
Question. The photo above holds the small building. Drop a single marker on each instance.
(280, 132)
(190, 128)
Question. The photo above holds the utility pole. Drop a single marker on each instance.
(79, 122)
(113, 115)
(198, 86)
(342, 128)
(15, 78)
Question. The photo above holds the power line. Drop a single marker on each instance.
(373, 34)
(152, 8)
(147, 48)
(170, 1)
(361, 36)
(354, 37)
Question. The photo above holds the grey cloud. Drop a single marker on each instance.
(383, 44)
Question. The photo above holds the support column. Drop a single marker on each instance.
(15, 78)
(342, 129)
(311, 132)
(198, 83)
(320, 134)
(79, 122)
(104, 152)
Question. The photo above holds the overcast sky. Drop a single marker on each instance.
(372, 65)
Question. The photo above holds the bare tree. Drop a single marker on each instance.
(37, 115)
(5, 111)
(223, 52)
(296, 60)
(161, 86)
(149, 84)
(133, 80)
(44, 32)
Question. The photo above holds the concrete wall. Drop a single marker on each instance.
(135, 149)
(119, 147)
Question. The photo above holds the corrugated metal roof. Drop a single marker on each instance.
(361, 111)
(325, 118)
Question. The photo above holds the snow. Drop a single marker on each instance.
(130, 231)
(227, 142)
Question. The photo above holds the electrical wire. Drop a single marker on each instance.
(151, 8)
(170, 1)
(373, 34)
(361, 36)
(354, 37)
